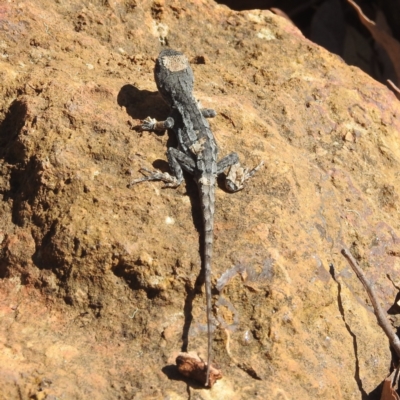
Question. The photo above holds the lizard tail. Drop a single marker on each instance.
(208, 201)
(208, 253)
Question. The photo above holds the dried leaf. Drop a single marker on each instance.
(389, 387)
(391, 45)
(192, 366)
(395, 89)
(281, 13)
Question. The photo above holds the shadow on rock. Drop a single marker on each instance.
(139, 104)
(22, 171)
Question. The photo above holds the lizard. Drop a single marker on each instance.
(197, 154)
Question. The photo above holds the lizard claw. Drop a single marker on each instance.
(169, 180)
(147, 124)
(238, 175)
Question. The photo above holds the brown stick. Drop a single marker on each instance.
(379, 312)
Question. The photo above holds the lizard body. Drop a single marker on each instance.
(197, 153)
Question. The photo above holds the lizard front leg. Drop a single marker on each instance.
(151, 124)
(237, 174)
(208, 112)
(177, 161)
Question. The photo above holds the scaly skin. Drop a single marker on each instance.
(197, 154)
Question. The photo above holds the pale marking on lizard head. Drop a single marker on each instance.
(175, 63)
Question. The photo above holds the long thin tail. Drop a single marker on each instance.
(208, 253)
(208, 202)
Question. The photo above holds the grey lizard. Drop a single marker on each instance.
(197, 153)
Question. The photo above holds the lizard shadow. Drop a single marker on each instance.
(138, 102)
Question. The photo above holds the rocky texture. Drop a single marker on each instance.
(98, 281)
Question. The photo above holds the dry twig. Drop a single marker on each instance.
(379, 312)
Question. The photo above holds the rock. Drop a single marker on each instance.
(103, 276)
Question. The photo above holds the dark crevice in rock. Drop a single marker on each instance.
(11, 150)
(357, 378)
(134, 279)
(249, 370)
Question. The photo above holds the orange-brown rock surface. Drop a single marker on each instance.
(98, 281)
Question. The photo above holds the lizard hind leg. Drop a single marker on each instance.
(170, 181)
(237, 175)
(176, 160)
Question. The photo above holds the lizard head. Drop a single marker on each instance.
(173, 75)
